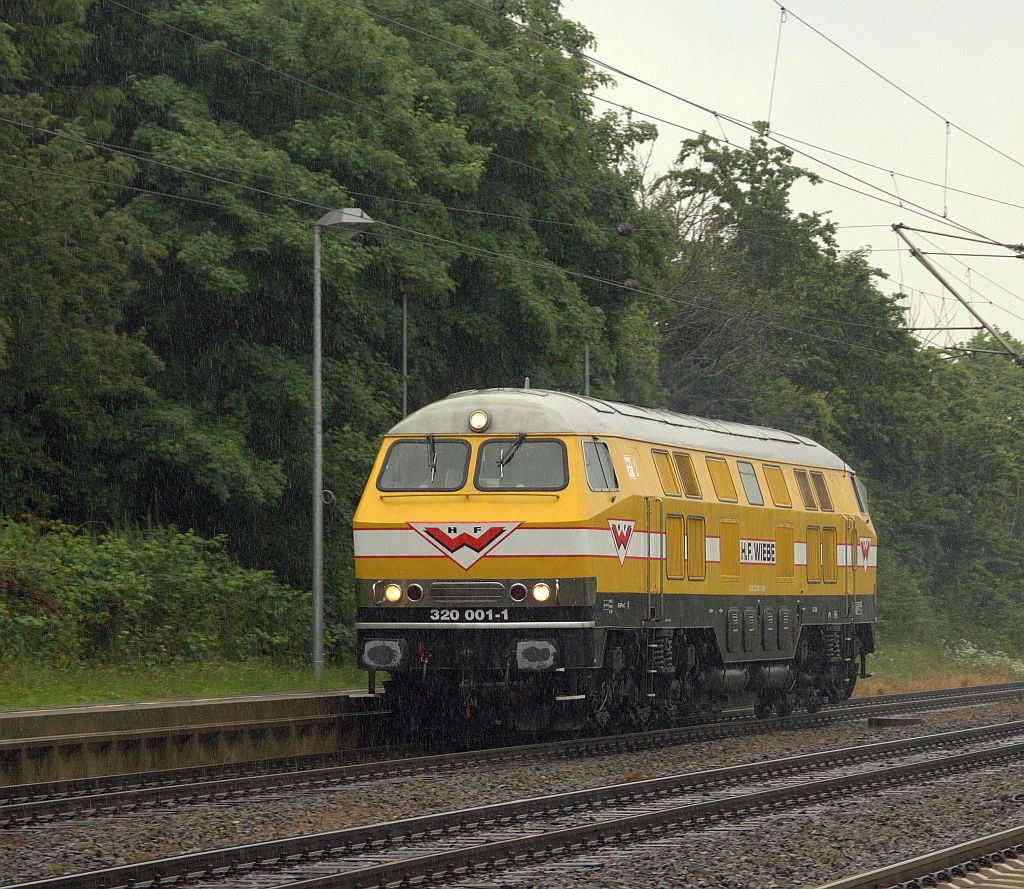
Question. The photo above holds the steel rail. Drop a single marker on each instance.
(943, 864)
(30, 804)
(374, 839)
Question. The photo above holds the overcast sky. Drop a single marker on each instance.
(964, 60)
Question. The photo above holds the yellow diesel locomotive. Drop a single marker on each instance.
(541, 559)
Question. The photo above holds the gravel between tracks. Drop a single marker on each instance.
(59, 848)
(803, 847)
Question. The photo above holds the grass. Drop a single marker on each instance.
(901, 666)
(897, 667)
(26, 684)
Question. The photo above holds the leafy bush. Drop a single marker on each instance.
(143, 596)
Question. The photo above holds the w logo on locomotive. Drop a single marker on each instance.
(464, 543)
(865, 552)
(622, 531)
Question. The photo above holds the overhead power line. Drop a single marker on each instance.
(508, 258)
(718, 115)
(912, 206)
(935, 113)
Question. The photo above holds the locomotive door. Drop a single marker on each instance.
(654, 514)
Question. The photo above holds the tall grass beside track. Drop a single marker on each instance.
(905, 666)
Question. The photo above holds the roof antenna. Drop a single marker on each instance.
(526, 383)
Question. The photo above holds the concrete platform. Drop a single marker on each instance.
(64, 743)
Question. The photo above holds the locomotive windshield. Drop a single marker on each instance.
(430, 464)
(521, 464)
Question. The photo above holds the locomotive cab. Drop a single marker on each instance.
(467, 590)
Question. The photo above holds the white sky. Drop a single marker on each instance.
(965, 60)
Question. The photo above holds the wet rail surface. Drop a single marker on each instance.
(995, 860)
(29, 805)
(445, 847)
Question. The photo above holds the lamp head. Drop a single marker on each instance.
(352, 220)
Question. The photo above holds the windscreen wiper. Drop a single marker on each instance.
(505, 457)
(431, 456)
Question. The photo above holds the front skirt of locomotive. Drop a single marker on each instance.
(478, 628)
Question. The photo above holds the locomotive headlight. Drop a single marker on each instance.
(479, 421)
(392, 592)
(541, 592)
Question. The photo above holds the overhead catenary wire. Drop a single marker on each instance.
(779, 138)
(427, 239)
(942, 117)
(775, 67)
(545, 265)
(374, 110)
(146, 157)
(131, 154)
(916, 208)
(919, 209)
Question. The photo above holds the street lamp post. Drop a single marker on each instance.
(351, 221)
(407, 289)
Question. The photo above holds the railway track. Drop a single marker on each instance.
(446, 847)
(996, 860)
(32, 804)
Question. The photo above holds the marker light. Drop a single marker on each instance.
(479, 421)
(414, 592)
(541, 592)
(518, 592)
(392, 592)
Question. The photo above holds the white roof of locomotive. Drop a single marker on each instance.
(537, 411)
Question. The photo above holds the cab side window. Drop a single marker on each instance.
(750, 485)
(600, 471)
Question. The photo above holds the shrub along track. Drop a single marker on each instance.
(445, 847)
(28, 805)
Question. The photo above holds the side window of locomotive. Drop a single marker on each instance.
(828, 555)
(600, 471)
(814, 555)
(675, 547)
(422, 465)
(821, 489)
(777, 486)
(696, 558)
(511, 464)
(805, 489)
(750, 486)
(721, 478)
(687, 475)
(860, 494)
(663, 463)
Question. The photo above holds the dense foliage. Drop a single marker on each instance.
(141, 597)
(163, 162)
